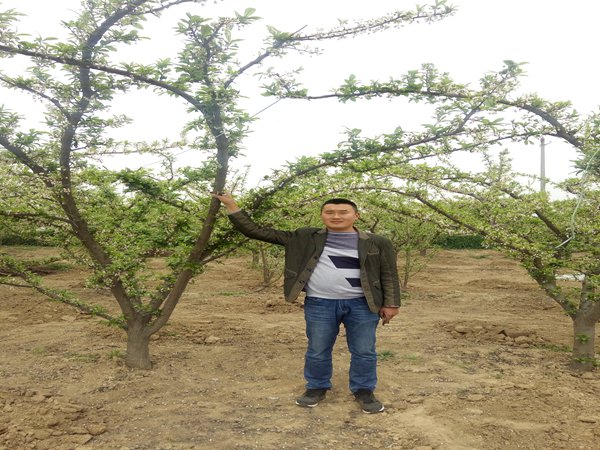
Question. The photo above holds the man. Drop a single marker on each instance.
(349, 277)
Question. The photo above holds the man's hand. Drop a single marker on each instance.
(387, 313)
(227, 200)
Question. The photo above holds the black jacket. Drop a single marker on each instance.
(303, 247)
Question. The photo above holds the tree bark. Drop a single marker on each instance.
(407, 267)
(255, 258)
(267, 274)
(584, 334)
(138, 347)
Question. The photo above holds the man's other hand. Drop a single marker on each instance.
(387, 313)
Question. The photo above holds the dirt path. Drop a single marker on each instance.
(475, 360)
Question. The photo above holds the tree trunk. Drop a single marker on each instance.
(255, 258)
(138, 347)
(584, 334)
(267, 275)
(407, 268)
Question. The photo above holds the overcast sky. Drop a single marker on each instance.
(556, 37)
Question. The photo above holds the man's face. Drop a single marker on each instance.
(339, 218)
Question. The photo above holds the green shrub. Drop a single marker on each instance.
(459, 241)
(8, 239)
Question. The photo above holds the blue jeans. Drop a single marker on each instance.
(323, 318)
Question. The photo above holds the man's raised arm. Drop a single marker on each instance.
(244, 223)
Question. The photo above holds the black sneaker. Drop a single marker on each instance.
(311, 397)
(368, 402)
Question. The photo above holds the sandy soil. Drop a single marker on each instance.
(475, 360)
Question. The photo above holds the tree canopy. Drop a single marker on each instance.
(112, 220)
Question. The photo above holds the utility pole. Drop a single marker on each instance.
(542, 164)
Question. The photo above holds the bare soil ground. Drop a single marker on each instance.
(475, 360)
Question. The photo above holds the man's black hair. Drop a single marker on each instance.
(340, 201)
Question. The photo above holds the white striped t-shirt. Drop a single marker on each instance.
(337, 273)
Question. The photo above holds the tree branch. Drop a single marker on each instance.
(164, 6)
(26, 160)
(70, 61)
(376, 25)
(278, 45)
(379, 91)
(34, 216)
(14, 83)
